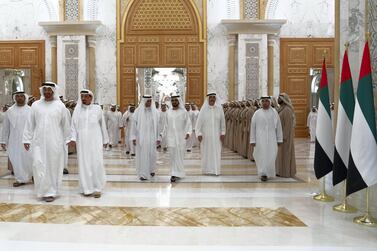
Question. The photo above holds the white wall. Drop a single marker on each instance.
(19, 21)
(217, 52)
(104, 11)
(305, 18)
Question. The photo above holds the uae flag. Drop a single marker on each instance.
(344, 124)
(324, 141)
(362, 166)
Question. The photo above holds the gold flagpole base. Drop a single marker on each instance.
(324, 197)
(366, 220)
(344, 208)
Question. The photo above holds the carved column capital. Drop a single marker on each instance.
(232, 39)
(92, 41)
(53, 41)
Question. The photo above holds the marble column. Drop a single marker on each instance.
(54, 63)
(372, 28)
(253, 62)
(71, 65)
(336, 62)
(274, 64)
(352, 30)
(352, 20)
(92, 64)
(256, 40)
(232, 40)
(270, 80)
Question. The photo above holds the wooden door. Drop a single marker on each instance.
(25, 55)
(161, 33)
(296, 59)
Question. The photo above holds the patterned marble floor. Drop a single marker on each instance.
(231, 212)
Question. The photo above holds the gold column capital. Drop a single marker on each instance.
(53, 41)
(92, 41)
(232, 39)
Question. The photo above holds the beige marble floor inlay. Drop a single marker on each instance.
(149, 216)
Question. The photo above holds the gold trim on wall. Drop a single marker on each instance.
(271, 70)
(61, 10)
(205, 77)
(81, 10)
(242, 9)
(262, 8)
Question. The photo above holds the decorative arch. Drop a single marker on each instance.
(161, 33)
(271, 8)
(51, 10)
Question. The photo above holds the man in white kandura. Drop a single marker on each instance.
(265, 135)
(189, 141)
(145, 136)
(2, 117)
(210, 130)
(194, 119)
(177, 130)
(312, 123)
(127, 122)
(13, 129)
(46, 133)
(163, 118)
(118, 132)
(113, 122)
(90, 135)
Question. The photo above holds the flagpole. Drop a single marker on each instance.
(344, 207)
(366, 219)
(323, 196)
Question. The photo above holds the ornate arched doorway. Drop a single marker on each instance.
(161, 33)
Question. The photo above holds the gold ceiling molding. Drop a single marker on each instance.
(166, 19)
(161, 15)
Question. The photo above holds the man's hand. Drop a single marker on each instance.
(187, 136)
(222, 138)
(4, 147)
(200, 138)
(158, 142)
(134, 142)
(27, 147)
